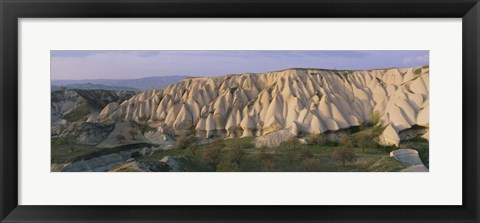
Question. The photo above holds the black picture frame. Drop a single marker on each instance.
(12, 10)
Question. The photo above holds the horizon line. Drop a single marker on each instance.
(188, 76)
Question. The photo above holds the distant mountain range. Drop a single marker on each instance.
(90, 86)
(147, 83)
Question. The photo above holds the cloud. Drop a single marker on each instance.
(416, 59)
(407, 60)
(422, 58)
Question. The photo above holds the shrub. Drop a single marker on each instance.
(192, 149)
(262, 153)
(293, 141)
(306, 154)
(369, 137)
(374, 118)
(133, 132)
(311, 165)
(120, 137)
(315, 139)
(345, 141)
(378, 128)
(226, 166)
(269, 164)
(418, 71)
(185, 140)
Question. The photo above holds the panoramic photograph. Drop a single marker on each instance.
(239, 111)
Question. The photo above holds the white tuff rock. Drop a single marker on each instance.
(302, 100)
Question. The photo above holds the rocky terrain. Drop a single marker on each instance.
(298, 100)
(152, 130)
(411, 157)
(70, 105)
(81, 143)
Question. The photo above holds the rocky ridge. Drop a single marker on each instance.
(298, 100)
(70, 105)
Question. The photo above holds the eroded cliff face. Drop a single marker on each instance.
(300, 100)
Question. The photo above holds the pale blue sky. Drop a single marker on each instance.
(75, 64)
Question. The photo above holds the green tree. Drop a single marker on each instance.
(345, 152)
(237, 153)
(212, 154)
(364, 140)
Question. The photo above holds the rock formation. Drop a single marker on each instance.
(70, 105)
(411, 157)
(298, 100)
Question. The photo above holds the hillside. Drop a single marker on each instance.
(70, 105)
(298, 100)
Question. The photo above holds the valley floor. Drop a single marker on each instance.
(284, 158)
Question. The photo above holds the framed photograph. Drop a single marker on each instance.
(269, 111)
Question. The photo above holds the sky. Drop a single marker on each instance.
(123, 64)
